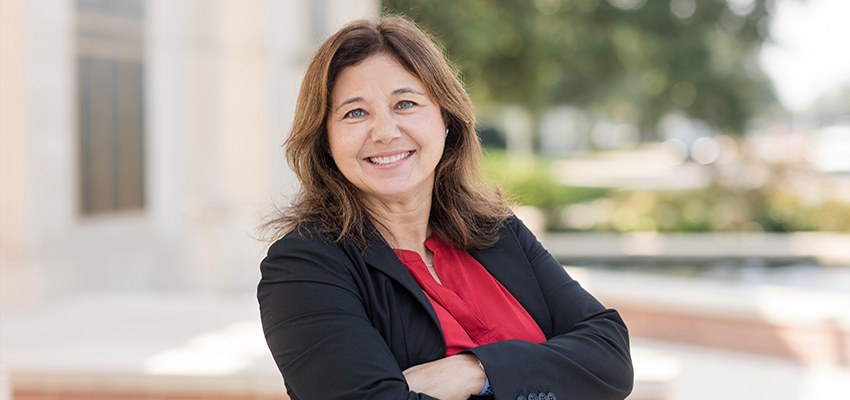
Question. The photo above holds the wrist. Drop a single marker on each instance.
(478, 377)
(486, 391)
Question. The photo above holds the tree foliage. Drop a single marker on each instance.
(631, 60)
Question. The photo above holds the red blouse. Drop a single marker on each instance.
(473, 307)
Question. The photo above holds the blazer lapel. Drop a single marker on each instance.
(382, 258)
(507, 262)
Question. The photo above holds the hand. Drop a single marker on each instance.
(451, 378)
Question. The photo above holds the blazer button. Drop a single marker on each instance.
(532, 396)
(542, 396)
(551, 396)
(521, 397)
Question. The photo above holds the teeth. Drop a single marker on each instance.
(387, 160)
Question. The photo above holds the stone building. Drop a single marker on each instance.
(140, 140)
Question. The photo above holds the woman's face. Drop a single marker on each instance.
(386, 133)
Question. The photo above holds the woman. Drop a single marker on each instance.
(402, 275)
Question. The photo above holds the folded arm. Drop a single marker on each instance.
(318, 330)
(587, 353)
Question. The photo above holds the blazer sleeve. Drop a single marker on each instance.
(317, 329)
(586, 357)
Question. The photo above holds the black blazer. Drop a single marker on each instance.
(342, 324)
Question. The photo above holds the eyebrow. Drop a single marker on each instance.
(407, 90)
(398, 91)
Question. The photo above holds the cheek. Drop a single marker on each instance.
(339, 143)
(441, 151)
(337, 151)
(440, 142)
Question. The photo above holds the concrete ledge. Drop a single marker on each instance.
(811, 326)
(822, 247)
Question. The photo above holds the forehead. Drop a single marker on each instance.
(380, 71)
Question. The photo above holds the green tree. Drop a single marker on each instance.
(633, 60)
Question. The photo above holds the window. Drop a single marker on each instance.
(110, 78)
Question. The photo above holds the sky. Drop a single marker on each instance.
(810, 51)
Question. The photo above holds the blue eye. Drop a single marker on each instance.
(355, 113)
(405, 104)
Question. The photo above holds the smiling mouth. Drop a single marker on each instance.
(389, 159)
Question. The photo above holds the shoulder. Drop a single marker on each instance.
(514, 229)
(307, 253)
(305, 237)
(514, 235)
(515, 239)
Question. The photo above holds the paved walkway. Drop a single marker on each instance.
(710, 374)
(139, 334)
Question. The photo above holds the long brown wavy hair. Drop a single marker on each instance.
(465, 211)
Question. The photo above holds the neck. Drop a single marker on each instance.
(404, 225)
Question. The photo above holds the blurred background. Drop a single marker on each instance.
(688, 161)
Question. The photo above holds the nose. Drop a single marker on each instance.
(385, 128)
